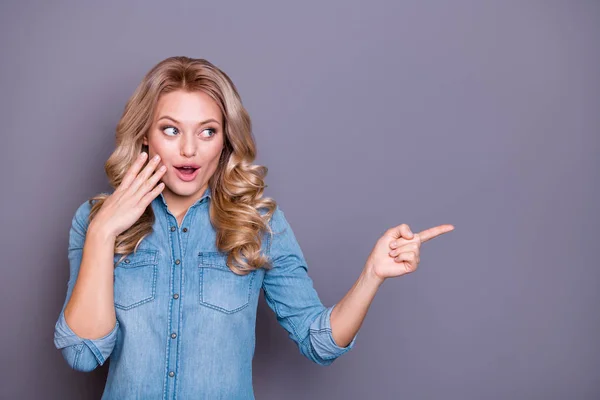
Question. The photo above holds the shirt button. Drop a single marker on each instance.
(173, 229)
(127, 261)
(185, 229)
(171, 374)
(175, 296)
(173, 335)
(177, 262)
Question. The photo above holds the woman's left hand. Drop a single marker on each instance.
(397, 252)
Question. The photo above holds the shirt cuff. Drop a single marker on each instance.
(322, 339)
(101, 348)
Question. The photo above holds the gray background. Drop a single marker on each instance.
(484, 115)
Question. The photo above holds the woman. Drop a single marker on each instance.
(165, 272)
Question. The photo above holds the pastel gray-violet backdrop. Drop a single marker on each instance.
(369, 114)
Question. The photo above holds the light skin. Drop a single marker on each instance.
(187, 128)
(180, 135)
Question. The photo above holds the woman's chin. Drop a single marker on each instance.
(183, 189)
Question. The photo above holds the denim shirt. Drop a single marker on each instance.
(185, 322)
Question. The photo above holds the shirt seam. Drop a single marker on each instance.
(294, 329)
(78, 350)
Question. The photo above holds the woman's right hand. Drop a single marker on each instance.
(127, 203)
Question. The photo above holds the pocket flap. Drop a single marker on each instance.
(140, 257)
(215, 259)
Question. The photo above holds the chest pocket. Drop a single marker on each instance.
(135, 279)
(220, 288)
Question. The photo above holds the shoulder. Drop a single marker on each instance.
(278, 221)
(80, 219)
(283, 244)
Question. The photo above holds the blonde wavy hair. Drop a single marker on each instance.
(236, 186)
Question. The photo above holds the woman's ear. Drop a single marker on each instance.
(145, 141)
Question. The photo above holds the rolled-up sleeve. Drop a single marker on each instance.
(81, 354)
(290, 293)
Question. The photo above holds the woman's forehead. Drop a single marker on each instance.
(190, 108)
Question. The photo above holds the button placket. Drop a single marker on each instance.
(175, 310)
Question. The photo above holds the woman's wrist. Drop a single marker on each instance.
(371, 278)
(98, 231)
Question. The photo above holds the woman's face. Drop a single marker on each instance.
(186, 131)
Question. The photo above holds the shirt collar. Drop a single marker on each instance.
(207, 194)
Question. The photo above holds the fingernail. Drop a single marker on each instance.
(156, 157)
(143, 154)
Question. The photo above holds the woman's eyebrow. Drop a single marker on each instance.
(199, 123)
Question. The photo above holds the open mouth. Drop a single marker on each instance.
(187, 173)
(186, 170)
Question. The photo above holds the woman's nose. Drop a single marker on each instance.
(188, 146)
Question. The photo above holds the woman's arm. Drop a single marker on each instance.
(396, 253)
(323, 334)
(348, 314)
(90, 312)
(290, 293)
(86, 328)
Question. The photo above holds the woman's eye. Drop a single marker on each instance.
(170, 130)
(210, 130)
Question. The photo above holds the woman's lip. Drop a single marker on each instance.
(186, 177)
(191, 165)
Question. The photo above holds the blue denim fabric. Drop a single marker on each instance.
(185, 323)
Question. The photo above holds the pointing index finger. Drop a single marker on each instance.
(431, 233)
